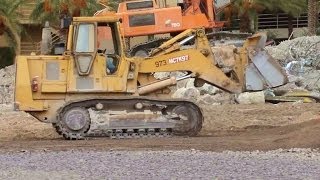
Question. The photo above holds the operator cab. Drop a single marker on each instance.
(96, 39)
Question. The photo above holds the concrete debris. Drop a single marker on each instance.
(7, 75)
(301, 48)
(163, 75)
(190, 83)
(251, 98)
(207, 94)
(190, 93)
(301, 59)
(224, 57)
(309, 80)
(179, 93)
(209, 89)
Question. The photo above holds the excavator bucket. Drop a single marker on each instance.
(263, 71)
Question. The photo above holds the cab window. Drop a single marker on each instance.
(85, 47)
(107, 42)
(85, 42)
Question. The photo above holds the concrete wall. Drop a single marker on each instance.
(283, 32)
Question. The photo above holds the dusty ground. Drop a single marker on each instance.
(237, 142)
(228, 127)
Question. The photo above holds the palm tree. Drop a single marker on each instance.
(9, 22)
(247, 10)
(113, 4)
(313, 10)
(291, 7)
(53, 10)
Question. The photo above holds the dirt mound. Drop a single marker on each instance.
(21, 126)
(238, 117)
(302, 135)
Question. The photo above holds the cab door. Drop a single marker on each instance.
(85, 47)
(81, 76)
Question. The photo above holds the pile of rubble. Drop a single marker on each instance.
(185, 89)
(300, 58)
(7, 75)
(206, 94)
(304, 48)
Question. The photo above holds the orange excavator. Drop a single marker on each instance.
(148, 18)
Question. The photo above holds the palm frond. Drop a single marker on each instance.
(57, 9)
(10, 19)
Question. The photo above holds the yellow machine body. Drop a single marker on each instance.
(45, 84)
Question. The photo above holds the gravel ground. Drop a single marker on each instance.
(188, 164)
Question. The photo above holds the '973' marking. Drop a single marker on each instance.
(160, 63)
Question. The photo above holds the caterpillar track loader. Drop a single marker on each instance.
(93, 89)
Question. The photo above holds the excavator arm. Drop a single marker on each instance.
(253, 68)
(195, 62)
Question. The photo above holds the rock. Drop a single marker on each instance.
(182, 83)
(251, 98)
(224, 98)
(6, 107)
(187, 93)
(179, 93)
(177, 74)
(224, 56)
(190, 83)
(209, 89)
(161, 75)
(7, 75)
(191, 94)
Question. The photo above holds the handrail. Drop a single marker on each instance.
(57, 36)
(276, 21)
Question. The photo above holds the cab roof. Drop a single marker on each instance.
(107, 18)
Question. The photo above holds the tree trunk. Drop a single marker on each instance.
(1, 26)
(245, 25)
(290, 25)
(312, 16)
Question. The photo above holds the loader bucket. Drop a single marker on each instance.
(263, 71)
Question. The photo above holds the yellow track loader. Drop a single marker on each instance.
(93, 89)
